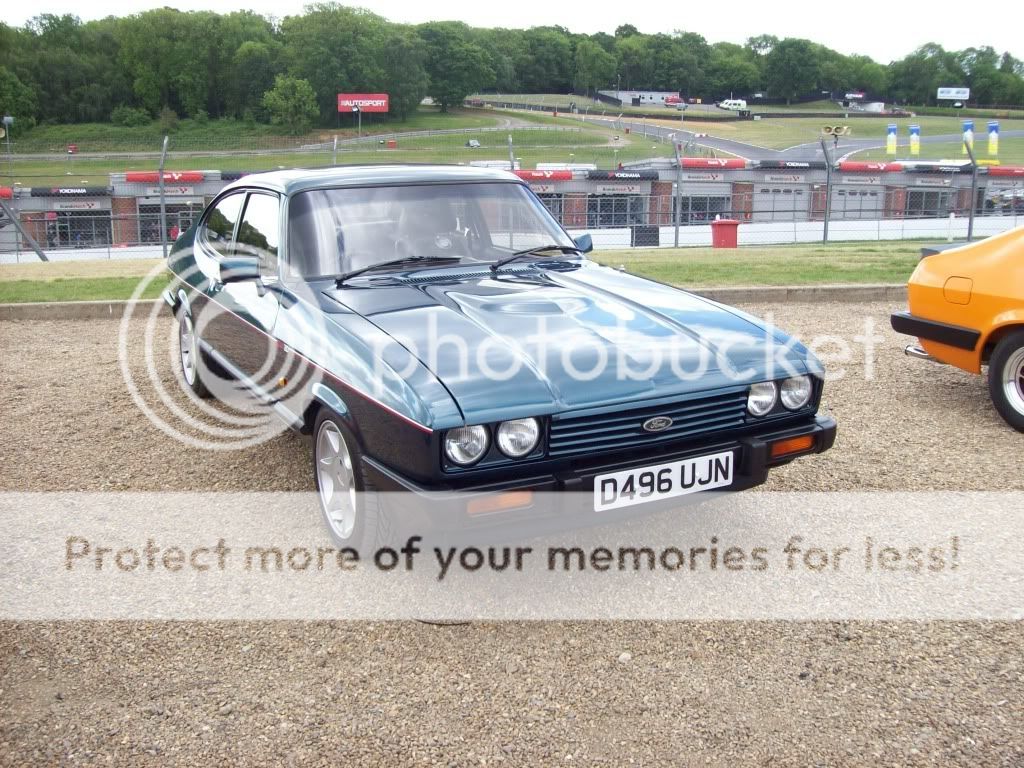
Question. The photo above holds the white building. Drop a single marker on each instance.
(642, 98)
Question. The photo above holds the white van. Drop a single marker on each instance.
(733, 104)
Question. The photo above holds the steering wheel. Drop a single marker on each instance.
(452, 244)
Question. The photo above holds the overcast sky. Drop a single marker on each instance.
(882, 29)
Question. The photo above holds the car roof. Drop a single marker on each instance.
(302, 179)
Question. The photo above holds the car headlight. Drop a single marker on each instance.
(466, 445)
(518, 437)
(762, 397)
(796, 392)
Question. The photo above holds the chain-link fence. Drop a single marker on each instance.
(101, 198)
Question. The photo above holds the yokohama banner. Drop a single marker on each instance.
(366, 102)
(645, 174)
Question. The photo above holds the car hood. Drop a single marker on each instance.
(535, 343)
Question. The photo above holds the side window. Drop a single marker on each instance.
(219, 226)
(259, 230)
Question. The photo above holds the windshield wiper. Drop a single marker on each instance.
(532, 252)
(340, 279)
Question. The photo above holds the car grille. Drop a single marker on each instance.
(623, 429)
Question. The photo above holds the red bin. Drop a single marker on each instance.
(724, 233)
(392, 144)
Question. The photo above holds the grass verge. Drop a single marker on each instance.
(835, 263)
(1011, 151)
(75, 289)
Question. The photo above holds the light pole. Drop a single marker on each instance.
(359, 116)
(8, 121)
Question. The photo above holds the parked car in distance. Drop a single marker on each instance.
(966, 308)
(459, 341)
(735, 105)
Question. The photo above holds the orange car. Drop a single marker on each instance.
(967, 309)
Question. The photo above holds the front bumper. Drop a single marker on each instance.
(419, 508)
(932, 330)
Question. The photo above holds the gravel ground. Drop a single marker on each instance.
(646, 693)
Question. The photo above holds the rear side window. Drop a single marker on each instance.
(219, 227)
(258, 234)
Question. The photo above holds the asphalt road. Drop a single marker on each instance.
(518, 693)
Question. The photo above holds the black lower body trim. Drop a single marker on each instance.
(435, 510)
(932, 330)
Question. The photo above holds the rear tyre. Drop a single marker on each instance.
(1006, 379)
(348, 500)
(190, 354)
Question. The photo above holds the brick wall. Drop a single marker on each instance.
(660, 210)
(124, 220)
(34, 223)
(743, 200)
(574, 210)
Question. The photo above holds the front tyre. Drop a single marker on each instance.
(1006, 379)
(348, 501)
(189, 354)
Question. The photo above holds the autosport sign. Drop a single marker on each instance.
(365, 102)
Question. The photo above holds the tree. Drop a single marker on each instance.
(405, 72)
(678, 61)
(634, 61)
(204, 63)
(456, 67)
(869, 76)
(545, 65)
(16, 99)
(915, 78)
(335, 49)
(595, 67)
(292, 104)
(791, 69)
(731, 71)
(762, 45)
(253, 68)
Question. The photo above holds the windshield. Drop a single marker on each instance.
(335, 231)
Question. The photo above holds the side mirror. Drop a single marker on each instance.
(238, 269)
(585, 243)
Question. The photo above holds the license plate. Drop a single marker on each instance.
(664, 481)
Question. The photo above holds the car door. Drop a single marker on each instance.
(253, 305)
(215, 241)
